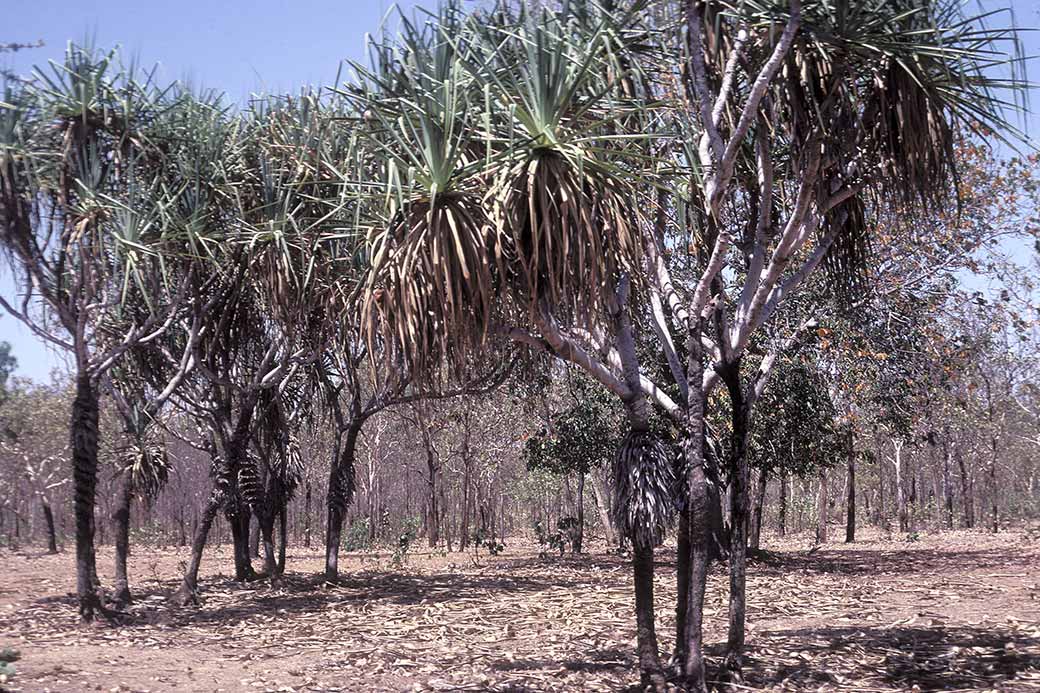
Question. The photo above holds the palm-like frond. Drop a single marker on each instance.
(644, 488)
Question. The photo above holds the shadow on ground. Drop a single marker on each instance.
(932, 658)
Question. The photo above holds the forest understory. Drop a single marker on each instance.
(948, 611)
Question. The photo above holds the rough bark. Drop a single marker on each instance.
(238, 519)
(52, 535)
(739, 481)
(433, 514)
(646, 637)
(188, 591)
(84, 444)
(338, 497)
(270, 569)
(692, 664)
(121, 519)
(283, 537)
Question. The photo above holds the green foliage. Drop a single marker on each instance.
(405, 540)
(548, 540)
(582, 437)
(357, 535)
(795, 428)
(8, 363)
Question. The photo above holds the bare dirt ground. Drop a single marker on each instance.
(952, 611)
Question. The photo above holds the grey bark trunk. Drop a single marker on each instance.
(188, 591)
(121, 519)
(821, 510)
(48, 517)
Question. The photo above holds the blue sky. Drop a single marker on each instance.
(241, 48)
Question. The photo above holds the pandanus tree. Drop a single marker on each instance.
(87, 222)
(511, 216)
(273, 273)
(812, 120)
(517, 165)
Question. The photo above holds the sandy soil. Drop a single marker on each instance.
(952, 611)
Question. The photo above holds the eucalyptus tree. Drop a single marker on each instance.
(579, 439)
(34, 444)
(89, 225)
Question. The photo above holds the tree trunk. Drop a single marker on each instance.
(238, 517)
(121, 518)
(84, 444)
(282, 540)
(340, 493)
(966, 496)
(821, 510)
(433, 522)
(995, 527)
(897, 461)
(781, 526)
(739, 475)
(646, 638)
(270, 569)
(188, 591)
(755, 540)
(581, 513)
(691, 659)
(603, 507)
(254, 537)
(48, 517)
(850, 510)
(307, 517)
(947, 485)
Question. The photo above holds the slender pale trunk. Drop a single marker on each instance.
(84, 444)
(755, 540)
(307, 517)
(599, 490)
(967, 500)
(581, 513)
(254, 537)
(897, 462)
(781, 527)
(850, 503)
(947, 485)
(821, 510)
(121, 519)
